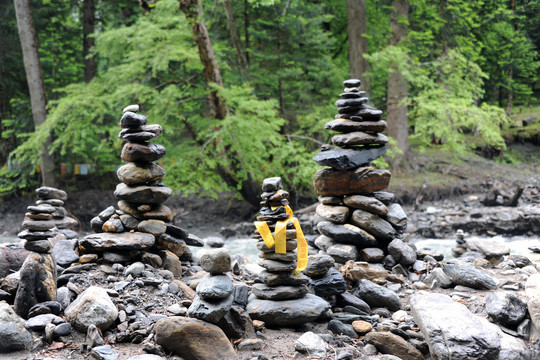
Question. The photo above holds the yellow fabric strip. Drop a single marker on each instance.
(266, 234)
(280, 240)
(302, 247)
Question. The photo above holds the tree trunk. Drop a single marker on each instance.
(249, 189)
(246, 29)
(89, 16)
(358, 43)
(235, 37)
(193, 11)
(398, 124)
(36, 85)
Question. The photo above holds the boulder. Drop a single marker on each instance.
(452, 331)
(13, 334)
(37, 282)
(93, 306)
(193, 339)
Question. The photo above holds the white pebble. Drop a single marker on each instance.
(132, 108)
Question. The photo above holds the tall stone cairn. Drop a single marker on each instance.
(357, 218)
(38, 273)
(142, 221)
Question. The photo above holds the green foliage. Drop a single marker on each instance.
(445, 108)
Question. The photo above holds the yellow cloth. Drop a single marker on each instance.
(280, 240)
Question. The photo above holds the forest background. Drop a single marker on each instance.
(243, 88)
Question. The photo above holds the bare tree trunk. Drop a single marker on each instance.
(249, 189)
(193, 11)
(398, 123)
(89, 16)
(36, 85)
(235, 37)
(358, 43)
(246, 29)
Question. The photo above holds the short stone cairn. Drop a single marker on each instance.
(357, 218)
(41, 223)
(283, 297)
(142, 221)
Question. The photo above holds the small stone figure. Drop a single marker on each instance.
(41, 224)
(282, 298)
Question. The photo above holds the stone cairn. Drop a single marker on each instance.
(282, 299)
(142, 221)
(357, 219)
(40, 234)
(215, 291)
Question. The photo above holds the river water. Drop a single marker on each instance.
(245, 246)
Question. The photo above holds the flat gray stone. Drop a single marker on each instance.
(347, 159)
(287, 312)
(377, 296)
(452, 331)
(118, 241)
(282, 292)
(468, 275)
(13, 334)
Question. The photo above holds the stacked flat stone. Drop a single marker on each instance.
(356, 214)
(38, 273)
(282, 298)
(42, 221)
(215, 291)
(142, 220)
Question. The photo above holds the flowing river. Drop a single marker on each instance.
(244, 246)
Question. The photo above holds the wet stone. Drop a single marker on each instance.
(215, 287)
(154, 227)
(41, 216)
(284, 278)
(144, 152)
(142, 194)
(318, 265)
(131, 119)
(272, 184)
(288, 257)
(138, 174)
(343, 252)
(277, 266)
(39, 246)
(347, 233)
(336, 214)
(375, 225)
(113, 225)
(46, 192)
(371, 255)
(216, 261)
(282, 292)
(350, 83)
(359, 181)
(367, 203)
(332, 283)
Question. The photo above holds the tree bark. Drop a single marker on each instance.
(398, 124)
(235, 37)
(193, 11)
(358, 42)
(89, 16)
(249, 189)
(36, 85)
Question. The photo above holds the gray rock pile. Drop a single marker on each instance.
(355, 214)
(282, 298)
(142, 222)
